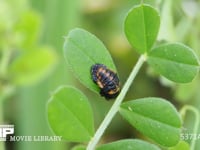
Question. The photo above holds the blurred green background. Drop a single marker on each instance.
(32, 65)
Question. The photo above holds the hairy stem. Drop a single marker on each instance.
(115, 107)
(196, 123)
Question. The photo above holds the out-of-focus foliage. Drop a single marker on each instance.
(32, 66)
(23, 60)
(182, 145)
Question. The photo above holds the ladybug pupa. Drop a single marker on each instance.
(107, 81)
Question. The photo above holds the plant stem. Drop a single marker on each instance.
(197, 121)
(6, 53)
(4, 62)
(115, 106)
(2, 143)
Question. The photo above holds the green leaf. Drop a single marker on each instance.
(176, 62)
(185, 92)
(81, 51)
(128, 145)
(141, 27)
(32, 66)
(79, 147)
(182, 145)
(155, 118)
(27, 30)
(70, 115)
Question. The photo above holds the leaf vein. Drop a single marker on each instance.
(173, 61)
(149, 118)
(73, 115)
(82, 50)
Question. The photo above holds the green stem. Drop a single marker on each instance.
(6, 88)
(115, 106)
(2, 143)
(6, 53)
(197, 121)
(4, 62)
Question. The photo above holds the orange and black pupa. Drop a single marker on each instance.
(107, 80)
